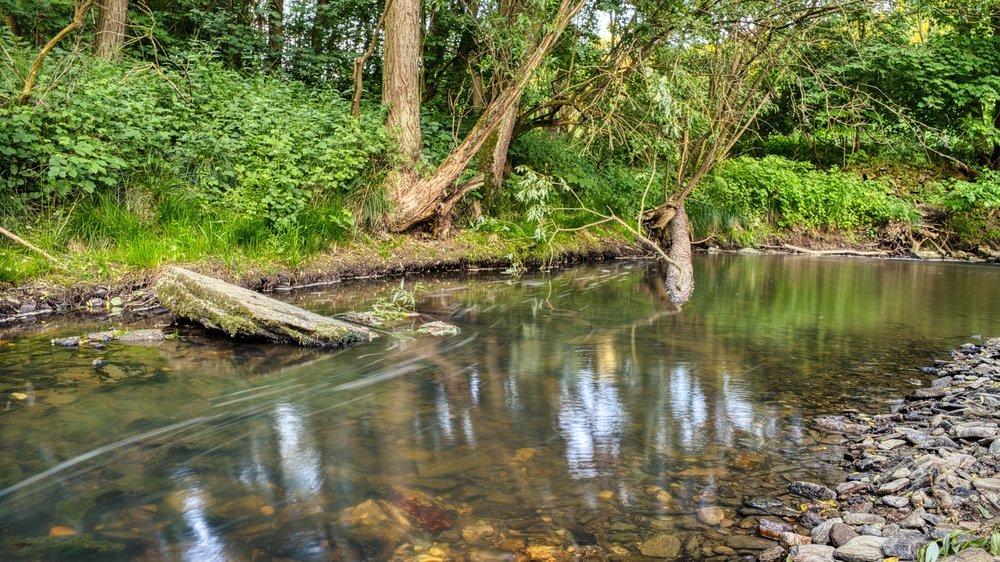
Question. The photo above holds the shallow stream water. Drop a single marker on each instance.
(575, 414)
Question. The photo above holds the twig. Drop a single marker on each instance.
(27, 244)
(359, 63)
(78, 12)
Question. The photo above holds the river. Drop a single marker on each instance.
(575, 414)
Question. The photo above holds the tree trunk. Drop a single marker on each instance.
(317, 36)
(493, 156)
(276, 31)
(110, 37)
(417, 200)
(680, 274)
(401, 80)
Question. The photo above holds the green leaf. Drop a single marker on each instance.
(116, 301)
(931, 553)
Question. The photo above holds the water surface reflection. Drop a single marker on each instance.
(573, 412)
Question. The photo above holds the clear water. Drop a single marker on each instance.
(574, 415)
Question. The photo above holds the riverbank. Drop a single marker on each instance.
(129, 293)
(928, 473)
(83, 289)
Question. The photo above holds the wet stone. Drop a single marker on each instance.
(72, 341)
(745, 542)
(711, 516)
(970, 555)
(663, 545)
(772, 529)
(142, 336)
(773, 554)
(812, 491)
(921, 393)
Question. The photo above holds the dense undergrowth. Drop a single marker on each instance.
(117, 166)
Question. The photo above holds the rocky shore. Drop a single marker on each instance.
(927, 473)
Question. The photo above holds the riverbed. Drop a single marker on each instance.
(574, 415)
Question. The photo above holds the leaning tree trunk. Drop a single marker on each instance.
(417, 200)
(493, 155)
(401, 81)
(110, 36)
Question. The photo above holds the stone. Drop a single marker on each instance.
(812, 491)
(970, 555)
(861, 549)
(915, 520)
(238, 311)
(890, 444)
(791, 539)
(437, 328)
(987, 484)
(661, 546)
(870, 530)
(904, 546)
(142, 336)
(863, 519)
(774, 554)
(772, 529)
(72, 341)
(762, 503)
(821, 533)
(893, 486)
(941, 382)
(851, 488)
(812, 553)
(922, 393)
(836, 424)
(746, 542)
(973, 431)
(710, 516)
(841, 534)
(895, 501)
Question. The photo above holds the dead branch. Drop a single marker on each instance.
(79, 10)
(359, 64)
(839, 252)
(29, 245)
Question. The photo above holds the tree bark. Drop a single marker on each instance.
(110, 36)
(276, 31)
(401, 80)
(493, 156)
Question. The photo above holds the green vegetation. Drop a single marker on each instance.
(226, 133)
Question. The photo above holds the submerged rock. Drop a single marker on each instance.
(72, 341)
(663, 545)
(142, 337)
(61, 547)
(437, 328)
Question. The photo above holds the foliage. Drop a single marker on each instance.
(982, 195)
(399, 304)
(956, 542)
(791, 194)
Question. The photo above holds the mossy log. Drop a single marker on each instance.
(242, 312)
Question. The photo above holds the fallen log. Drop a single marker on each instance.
(242, 312)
